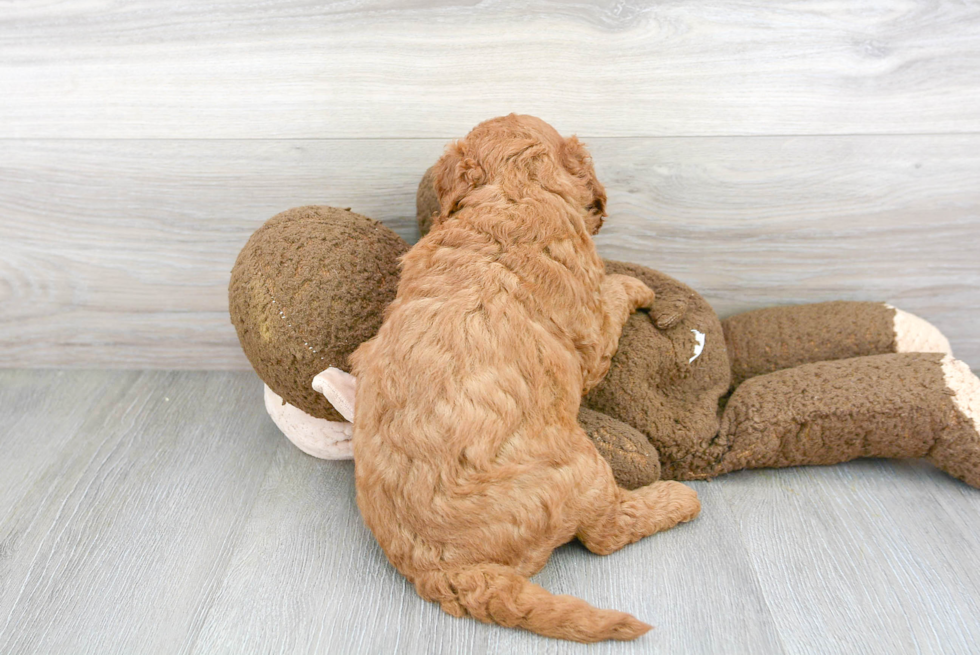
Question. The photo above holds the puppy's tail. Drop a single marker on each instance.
(496, 594)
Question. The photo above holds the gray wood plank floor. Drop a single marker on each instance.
(163, 512)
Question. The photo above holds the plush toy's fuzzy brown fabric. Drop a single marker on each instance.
(774, 338)
(813, 384)
(894, 405)
(865, 401)
(426, 202)
(307, 289)
(652, 384)
(781, 403)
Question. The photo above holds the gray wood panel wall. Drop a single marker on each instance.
(763, 152)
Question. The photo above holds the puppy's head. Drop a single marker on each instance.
(513, 153)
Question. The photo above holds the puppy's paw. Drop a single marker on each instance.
(682, 501)
(639, 295)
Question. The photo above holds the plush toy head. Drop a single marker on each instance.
(307, 289)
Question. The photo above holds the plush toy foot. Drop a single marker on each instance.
(314, 436)
(957, 451)
(917, 335)
(896, 405)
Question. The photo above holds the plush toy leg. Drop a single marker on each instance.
(896, 405)
(776, 338)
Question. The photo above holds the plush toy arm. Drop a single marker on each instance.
(895, 405)
(338, 387)
(426, 201)
(772, 339)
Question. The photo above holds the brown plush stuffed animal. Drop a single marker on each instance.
(687, 396)
(785, 386)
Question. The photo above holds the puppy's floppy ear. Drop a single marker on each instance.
(454, 175)
(578, 162)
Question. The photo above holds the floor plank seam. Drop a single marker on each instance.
(56, 523)
(730, 514)
(234, 543)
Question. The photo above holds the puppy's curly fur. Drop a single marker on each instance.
(470, 464)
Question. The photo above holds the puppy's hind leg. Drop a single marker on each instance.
(622, 516)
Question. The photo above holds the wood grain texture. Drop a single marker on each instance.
(757, 222)
(317, 582)
(117, 253)
(121, 524)
(869, 557)
(434, 68)
(162, 512)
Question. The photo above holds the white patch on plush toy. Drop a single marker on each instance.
(917, 335)
(314, 436)
(698, 346)
(338, 387)
(965, 387)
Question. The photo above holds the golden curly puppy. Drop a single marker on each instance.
(470, 465)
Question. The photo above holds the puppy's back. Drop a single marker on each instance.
(465, 451)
